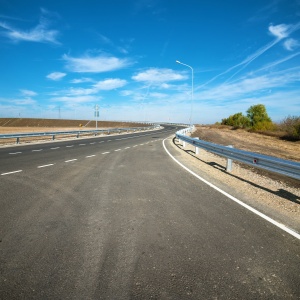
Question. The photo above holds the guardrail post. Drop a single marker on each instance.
(18, 140)
(183, 144)
(229, 162)
(78, 135)
(53, 137)
(197, 150)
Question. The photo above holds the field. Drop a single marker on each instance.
(250, 141)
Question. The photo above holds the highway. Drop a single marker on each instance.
(116, 218)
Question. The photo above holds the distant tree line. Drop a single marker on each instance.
(257, 119)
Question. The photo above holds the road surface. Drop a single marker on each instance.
(116, 218)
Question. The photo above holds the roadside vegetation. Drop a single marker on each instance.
(257, 120)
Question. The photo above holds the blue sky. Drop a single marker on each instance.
(60, 58)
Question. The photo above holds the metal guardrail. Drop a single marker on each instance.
(277, 165)
(17, 136)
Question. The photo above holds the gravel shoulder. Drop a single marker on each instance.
(274, 195)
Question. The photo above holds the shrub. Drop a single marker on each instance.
(291, 125)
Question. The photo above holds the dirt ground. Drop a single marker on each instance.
(249, 141)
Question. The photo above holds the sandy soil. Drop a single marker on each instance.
(250, 141)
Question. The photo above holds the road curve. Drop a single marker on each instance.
(117, 218)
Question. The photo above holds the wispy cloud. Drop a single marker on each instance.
(76, 99)
(96, 64)
(28, 93)
(56, 76)
(291, 44)
(155, 75)
(280, 32)
(82, 80)
(110, 84)
(39, 34)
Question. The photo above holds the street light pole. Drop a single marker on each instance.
(192, 96)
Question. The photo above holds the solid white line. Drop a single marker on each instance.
(281, 226)
(70, 146)
(11, 172)
(37, 150)
(55, 148)
(70, 160)
(15, 152)
(118, 150)
(45, 166)
(105, 152)
(90, 156)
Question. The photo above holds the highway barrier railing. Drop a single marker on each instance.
(77, 133)
(277, 165)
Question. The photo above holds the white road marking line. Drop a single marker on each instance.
(101, 142)
(135, 146)
(92, 143)
(45, 166)
(13, 172)
(141, 144)
(118, 150)
(54, 148)
(15, 152)
(127, 148)
(37, 150)
(281, 226)
(90, 156)
(70, 160)
(105, 152)
(82, 144)
(109, 140)
(70, 146)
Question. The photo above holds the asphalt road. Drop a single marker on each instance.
(117, 218)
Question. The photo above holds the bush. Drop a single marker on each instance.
(237, 120)
(291, 125)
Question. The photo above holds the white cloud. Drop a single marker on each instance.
(158, 75)
(279, 31)
(110, 84)
(82, 80)
(25, 101)
(96, 64)
(38, 34)
(28, 93)
(56, 76)
(290, 44)
(76, 99)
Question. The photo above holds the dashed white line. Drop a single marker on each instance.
(54, 148)
(90, 156)
(82, 144)
(105, 152)
(13, 172)
(135, 146)
(127, 148)
(44, 166)
(15, 152)
(117, 150)
(109, 140)
(93, 143)
(101, 142)
(37, 150)
(141, 144)
(70, 160)
(70, 146)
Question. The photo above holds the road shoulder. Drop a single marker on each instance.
(273, 198)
